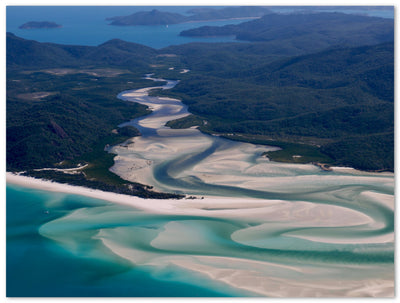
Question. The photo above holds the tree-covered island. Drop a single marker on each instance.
(39, 24)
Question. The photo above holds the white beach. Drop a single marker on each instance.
(300, 213)
(254, 276)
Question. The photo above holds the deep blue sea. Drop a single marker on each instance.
(87, 25)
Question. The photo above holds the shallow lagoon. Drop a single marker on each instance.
(75, 264)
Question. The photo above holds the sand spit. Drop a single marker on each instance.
(292, 214)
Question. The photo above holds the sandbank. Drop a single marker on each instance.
(291, 214)
(259, 277)
(263, 277)
(256, 277)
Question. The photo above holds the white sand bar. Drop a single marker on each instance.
(260, 277)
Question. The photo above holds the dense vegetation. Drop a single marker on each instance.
(311, 32)
(328, 99)
(62, 99)
(62, 110)
(29, 54)
(154, 17)
(75, 112)
(335, 105)
(125, 188)
(39, 24)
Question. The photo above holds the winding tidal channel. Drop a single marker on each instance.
(256, 228)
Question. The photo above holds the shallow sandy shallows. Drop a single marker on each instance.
(247, 208)
(262, 221)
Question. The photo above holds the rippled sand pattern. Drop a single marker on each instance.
(263, 228)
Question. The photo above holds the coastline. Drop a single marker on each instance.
(224, 19)
(241, 273)
(299, 212)
(52, 186)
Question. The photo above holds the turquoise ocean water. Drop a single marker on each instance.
(40, 267)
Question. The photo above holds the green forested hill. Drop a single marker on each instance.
(156, 17)
(25, 54)
(331, 98)
(61, 126)
(62, 109)
(61, 99)
(39, 24)
(307, 32)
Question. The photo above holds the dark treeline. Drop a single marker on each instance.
(127, 188)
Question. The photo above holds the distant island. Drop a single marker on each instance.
(39, 24)
(156, 17)
(297, 27)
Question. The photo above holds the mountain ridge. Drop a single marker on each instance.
(317, 29)
(334, 97)
(156, 17)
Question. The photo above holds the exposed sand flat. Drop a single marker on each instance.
(277, 213)
(386, 238)
(259, 277)
(136, 171)
(250, 275)
(266, 278)
(229, 163)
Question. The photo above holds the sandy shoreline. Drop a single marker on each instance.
(137, 202)
(299, 213)
(248, 275)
